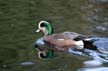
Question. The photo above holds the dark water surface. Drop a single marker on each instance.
(18, 22)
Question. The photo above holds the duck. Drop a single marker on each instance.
(47, 29)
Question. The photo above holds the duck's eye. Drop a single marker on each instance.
(42, 25)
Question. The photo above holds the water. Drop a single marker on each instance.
(96, 61)
(19, 19)
(27, 63)
(98, 58)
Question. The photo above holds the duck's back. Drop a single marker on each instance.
(67, 35)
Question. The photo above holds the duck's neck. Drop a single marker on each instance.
(49, 29)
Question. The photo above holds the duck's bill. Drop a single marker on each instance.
(37, 30)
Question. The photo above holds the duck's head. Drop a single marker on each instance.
(45, 27)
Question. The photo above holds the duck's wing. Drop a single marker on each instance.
(71, 35)
(67, 35)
